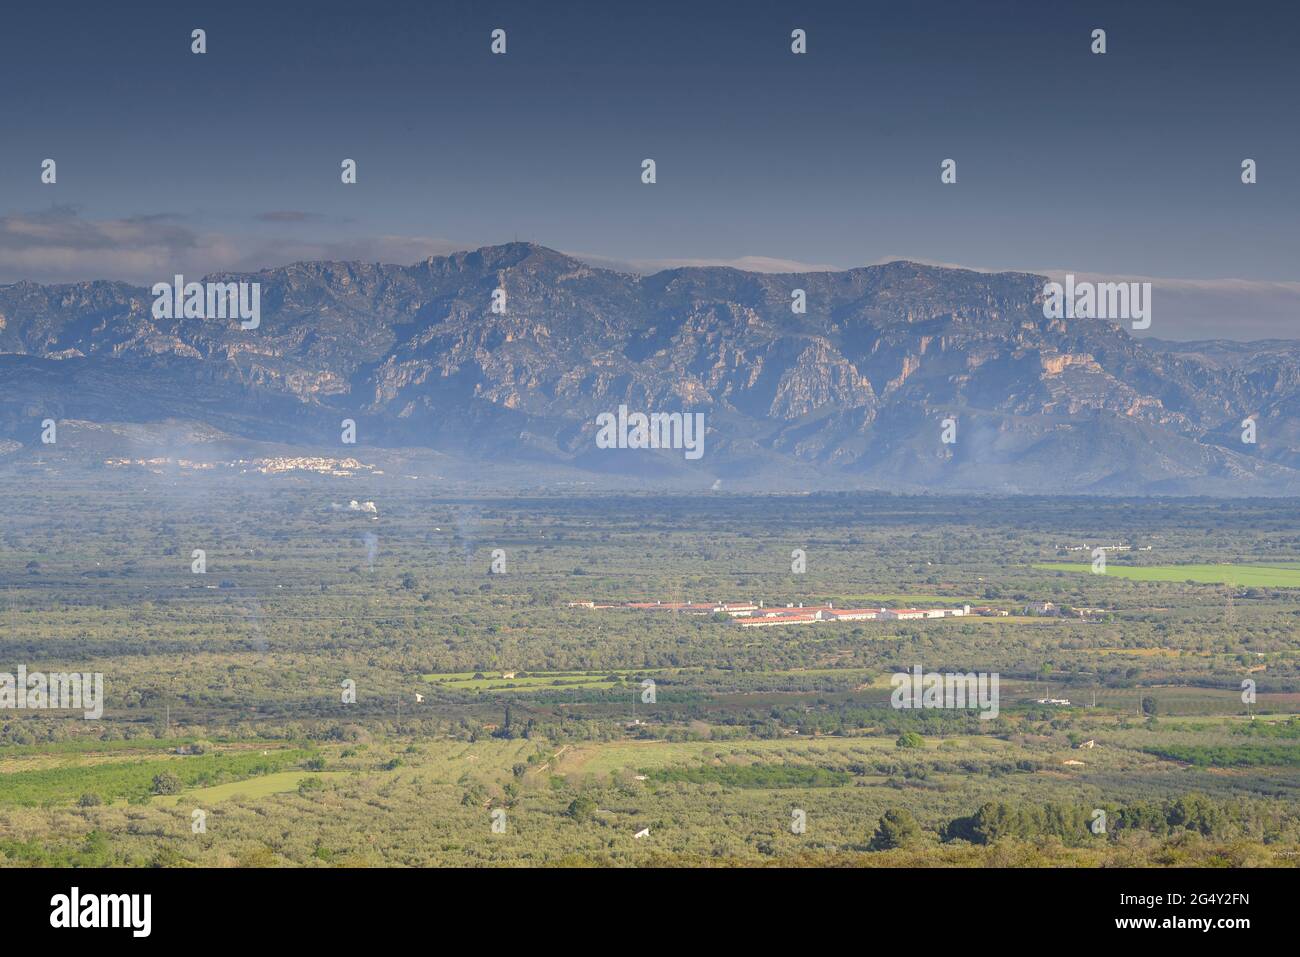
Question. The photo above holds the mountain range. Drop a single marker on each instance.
(853, 393)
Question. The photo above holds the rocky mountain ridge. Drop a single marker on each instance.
(855, 390)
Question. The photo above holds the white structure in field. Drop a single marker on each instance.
(758, 615)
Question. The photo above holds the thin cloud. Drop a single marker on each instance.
(288, 216)
(60, 245)
(764, 264)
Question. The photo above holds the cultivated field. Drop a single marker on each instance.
(337, 689)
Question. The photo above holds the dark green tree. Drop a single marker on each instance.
(581, 808)
(166, 783)
(897, 828)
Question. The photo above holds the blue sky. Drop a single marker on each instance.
(1122, 165)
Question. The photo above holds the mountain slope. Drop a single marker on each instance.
(856, 389)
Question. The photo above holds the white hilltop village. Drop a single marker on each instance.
(274, 465)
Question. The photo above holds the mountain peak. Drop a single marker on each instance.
(506, 256)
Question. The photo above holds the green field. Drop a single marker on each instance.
(126, 778)
(1282, 575)
(280, 782)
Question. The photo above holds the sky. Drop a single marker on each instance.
(1118, 166)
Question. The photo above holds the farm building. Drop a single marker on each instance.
(751, 615)
(901, 614)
